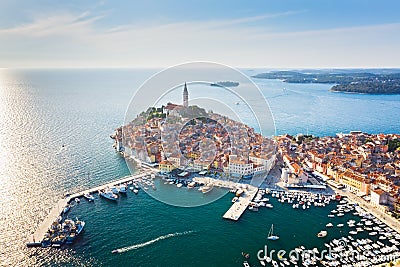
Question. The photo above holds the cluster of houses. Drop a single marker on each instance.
(175, 140)
(365, 164)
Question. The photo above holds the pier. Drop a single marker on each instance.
(37, 237)
(237, 209)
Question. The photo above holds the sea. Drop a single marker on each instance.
(55, 127)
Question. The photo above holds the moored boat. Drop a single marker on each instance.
(123, 189)
(207, 188)
(89, 197)
(108, 195)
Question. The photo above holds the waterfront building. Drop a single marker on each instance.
(239, 166)
(166, 166)
(355, 183)
(379, 199)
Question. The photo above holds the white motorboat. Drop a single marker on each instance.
(207, 188)
(191, 184)
(122, 189)
(89, 197)
(66, 208)
(322, 234)
(329, 225)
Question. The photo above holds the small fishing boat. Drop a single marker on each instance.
(66, 208)
(122, 189)
(89, 197)
(246, 255)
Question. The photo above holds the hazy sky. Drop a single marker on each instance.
(265, 33)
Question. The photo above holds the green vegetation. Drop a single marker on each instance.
(393, 145)
(304, 138)
(355, 82)
(379, 87)
(155, 113)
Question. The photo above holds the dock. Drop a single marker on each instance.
(37, 238)
(236, 210)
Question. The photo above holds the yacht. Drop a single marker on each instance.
(329, 225)
(322, 234)
(89, 197)
(191, 184)
(207, 188)
(108, 195)
(269, 206)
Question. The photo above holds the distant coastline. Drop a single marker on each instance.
(356, 81)
(225, 84)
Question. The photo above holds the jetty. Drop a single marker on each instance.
(236, 210)
(37, 237)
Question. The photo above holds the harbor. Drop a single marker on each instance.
(36, 240)
(247, 193)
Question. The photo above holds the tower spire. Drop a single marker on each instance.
(185, 96)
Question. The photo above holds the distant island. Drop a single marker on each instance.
(356, 81)
(225, 84)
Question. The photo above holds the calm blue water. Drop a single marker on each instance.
(42, 110)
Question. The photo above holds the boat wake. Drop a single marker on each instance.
(125, 249)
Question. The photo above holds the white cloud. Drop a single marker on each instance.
(65, 39)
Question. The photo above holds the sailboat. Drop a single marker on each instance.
(271, 235)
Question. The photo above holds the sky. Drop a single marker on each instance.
(145, 34)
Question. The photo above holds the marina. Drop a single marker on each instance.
(244, 195)
(359, 232)
(60, 208)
